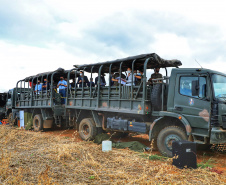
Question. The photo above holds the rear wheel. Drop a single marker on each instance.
(38, 122)
(167, 136)
(87, 129)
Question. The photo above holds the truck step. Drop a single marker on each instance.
(200, 138)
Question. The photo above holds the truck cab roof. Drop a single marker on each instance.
(195, 70)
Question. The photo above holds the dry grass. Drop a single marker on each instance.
(36, 158)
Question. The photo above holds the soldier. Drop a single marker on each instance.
(155, 75)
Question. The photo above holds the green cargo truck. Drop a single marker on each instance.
(187, 105)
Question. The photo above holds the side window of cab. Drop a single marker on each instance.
(187, 82)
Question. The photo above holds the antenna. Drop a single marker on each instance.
(198, 63)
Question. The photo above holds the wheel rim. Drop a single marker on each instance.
(169, 140)
(85, 130)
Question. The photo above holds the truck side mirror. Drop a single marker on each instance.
(195, 88)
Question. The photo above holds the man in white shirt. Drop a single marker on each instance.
(129, 77)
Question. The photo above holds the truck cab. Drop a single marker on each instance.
(199, 95)
(197, 99)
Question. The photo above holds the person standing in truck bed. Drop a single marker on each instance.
(138, 77)
(45, 85)
(102, 80)
(155, 75)
(38, 87)
(115, 78)
(62, 84)
(129, 77)
(82, 80)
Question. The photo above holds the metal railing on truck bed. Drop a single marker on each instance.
(129, 98)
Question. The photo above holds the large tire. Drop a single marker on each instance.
(38, 122)
(156, 97)
(87, 129)
(167, 136)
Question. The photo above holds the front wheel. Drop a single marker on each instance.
(167, 136)
(87, 129)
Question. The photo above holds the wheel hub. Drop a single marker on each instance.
(85, 129)
(169, 141)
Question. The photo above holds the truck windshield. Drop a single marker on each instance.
(219, 86)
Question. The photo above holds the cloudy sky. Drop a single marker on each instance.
(39, 36)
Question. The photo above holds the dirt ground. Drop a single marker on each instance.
(61, 157)
(208, 156)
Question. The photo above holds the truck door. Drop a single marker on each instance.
(196, 109)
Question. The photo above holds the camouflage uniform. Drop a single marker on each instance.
(154, 75)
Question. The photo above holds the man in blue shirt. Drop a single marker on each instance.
(45, 85)
(62, 84)
(38, 87)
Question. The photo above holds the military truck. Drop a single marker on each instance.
(187, 105)
(45, 105)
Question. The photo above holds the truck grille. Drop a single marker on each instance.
(214, 115)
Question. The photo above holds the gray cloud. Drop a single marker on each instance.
(118, 34)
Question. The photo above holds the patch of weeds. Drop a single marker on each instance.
(66, 137)
(208, 154)
(144, 156)
(92, 177)
(156, 157)
(153, 157)
(206, 164)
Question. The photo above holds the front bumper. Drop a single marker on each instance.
(217, 136)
